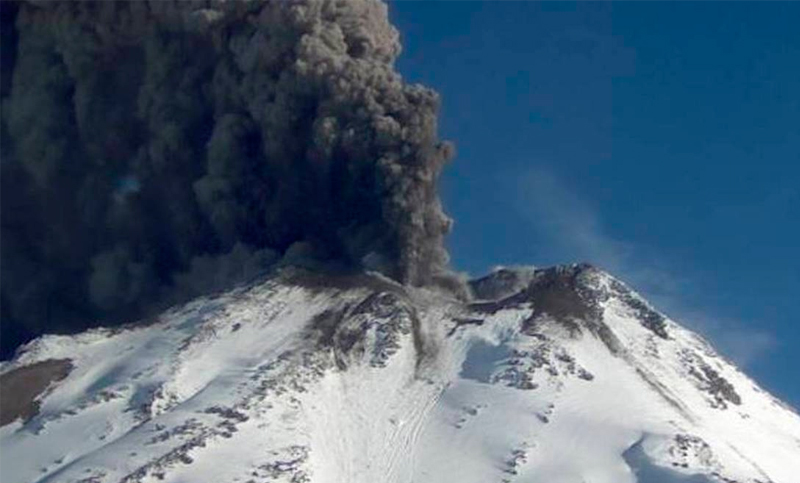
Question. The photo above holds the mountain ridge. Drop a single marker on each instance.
(558, 374)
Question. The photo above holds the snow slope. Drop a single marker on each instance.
(560, 375)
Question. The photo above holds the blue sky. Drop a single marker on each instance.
(660, 141)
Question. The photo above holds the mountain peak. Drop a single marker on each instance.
(552, 374)
(571, 294)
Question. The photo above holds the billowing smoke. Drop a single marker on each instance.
(153, 150)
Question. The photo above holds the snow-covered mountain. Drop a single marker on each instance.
(553, 375)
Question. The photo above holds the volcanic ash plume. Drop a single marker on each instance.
(154, 150)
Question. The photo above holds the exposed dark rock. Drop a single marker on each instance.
(519, 368)
(648, 317)
(647, 471)
(20, 388)
(560, 293)
(228, 413)
(461, 322)
(501, 283)
(568, 294)
(323, 326)
(719, 388)
(494, 306)
(345, 330)
(387, 316)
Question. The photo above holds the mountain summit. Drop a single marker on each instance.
(555, 375)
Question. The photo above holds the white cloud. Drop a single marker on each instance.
(566, 219)
(743, 345)
(571, 229)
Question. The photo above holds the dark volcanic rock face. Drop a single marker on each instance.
(568, 295)
(572, 295)
(501, 283)
(719, 391)
(561, 293)
(370, 329)
(649, 318)
(719, 388)
(20, 388)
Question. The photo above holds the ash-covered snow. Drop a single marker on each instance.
(557, 375)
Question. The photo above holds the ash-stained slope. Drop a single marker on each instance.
(553, 375)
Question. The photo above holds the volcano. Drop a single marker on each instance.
(561, 374)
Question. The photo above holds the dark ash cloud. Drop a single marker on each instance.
(155, 150)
